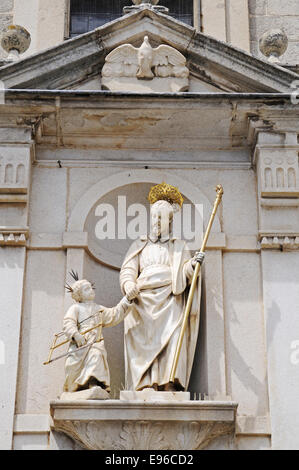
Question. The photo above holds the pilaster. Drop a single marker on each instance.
(276, 159)
(16, 154)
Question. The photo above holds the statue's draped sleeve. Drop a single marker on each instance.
(114, 315)
(107, 316)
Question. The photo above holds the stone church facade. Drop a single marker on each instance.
(69, 143)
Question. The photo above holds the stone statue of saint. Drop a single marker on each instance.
(86, 366)
(158, 269)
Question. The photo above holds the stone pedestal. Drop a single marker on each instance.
(132, 425)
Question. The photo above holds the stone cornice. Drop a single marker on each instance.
(274, 98)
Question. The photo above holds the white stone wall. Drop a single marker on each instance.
(269, 14)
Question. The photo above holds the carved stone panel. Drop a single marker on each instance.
(145, 69)
(278, 173)
(14, 170)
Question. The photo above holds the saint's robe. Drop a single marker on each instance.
(163, 272)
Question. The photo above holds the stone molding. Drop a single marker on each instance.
(280, 242)
(217, 241)
(13, 237)
(115, 425)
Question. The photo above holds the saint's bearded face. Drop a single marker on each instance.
(161, 219)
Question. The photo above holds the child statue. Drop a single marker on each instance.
(86, 367)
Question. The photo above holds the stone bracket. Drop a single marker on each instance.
(127, 425)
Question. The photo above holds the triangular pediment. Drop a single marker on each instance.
(214, 65)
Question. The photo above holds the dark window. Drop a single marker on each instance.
(86, 15)
(180, 9)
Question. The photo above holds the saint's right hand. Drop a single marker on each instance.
(80, 340)
(131, 290)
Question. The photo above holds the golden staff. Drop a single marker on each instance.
(219, 191)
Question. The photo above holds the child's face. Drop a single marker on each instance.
(87, 292)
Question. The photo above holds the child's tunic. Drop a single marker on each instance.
(89, 362)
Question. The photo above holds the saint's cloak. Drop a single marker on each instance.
(163, 273)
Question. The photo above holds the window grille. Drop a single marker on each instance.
(180, 9)
(86, 15)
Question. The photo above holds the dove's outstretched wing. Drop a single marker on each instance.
(169, 62)
(125, 54)
(121, 62)
(166, 55)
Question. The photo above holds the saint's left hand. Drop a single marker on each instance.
(198, 258)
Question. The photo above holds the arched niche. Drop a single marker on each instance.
(204, 378)
(133, 185)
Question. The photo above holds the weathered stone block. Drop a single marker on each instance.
(5, 20)
(260, 24)
(6, 6)
(285, 7)
(254, 49)
(257, 7)
(292, 55)
(213, 18)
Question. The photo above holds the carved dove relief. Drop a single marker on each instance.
(145, 62)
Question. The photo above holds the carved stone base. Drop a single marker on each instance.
(128, 425)
(156, 85)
